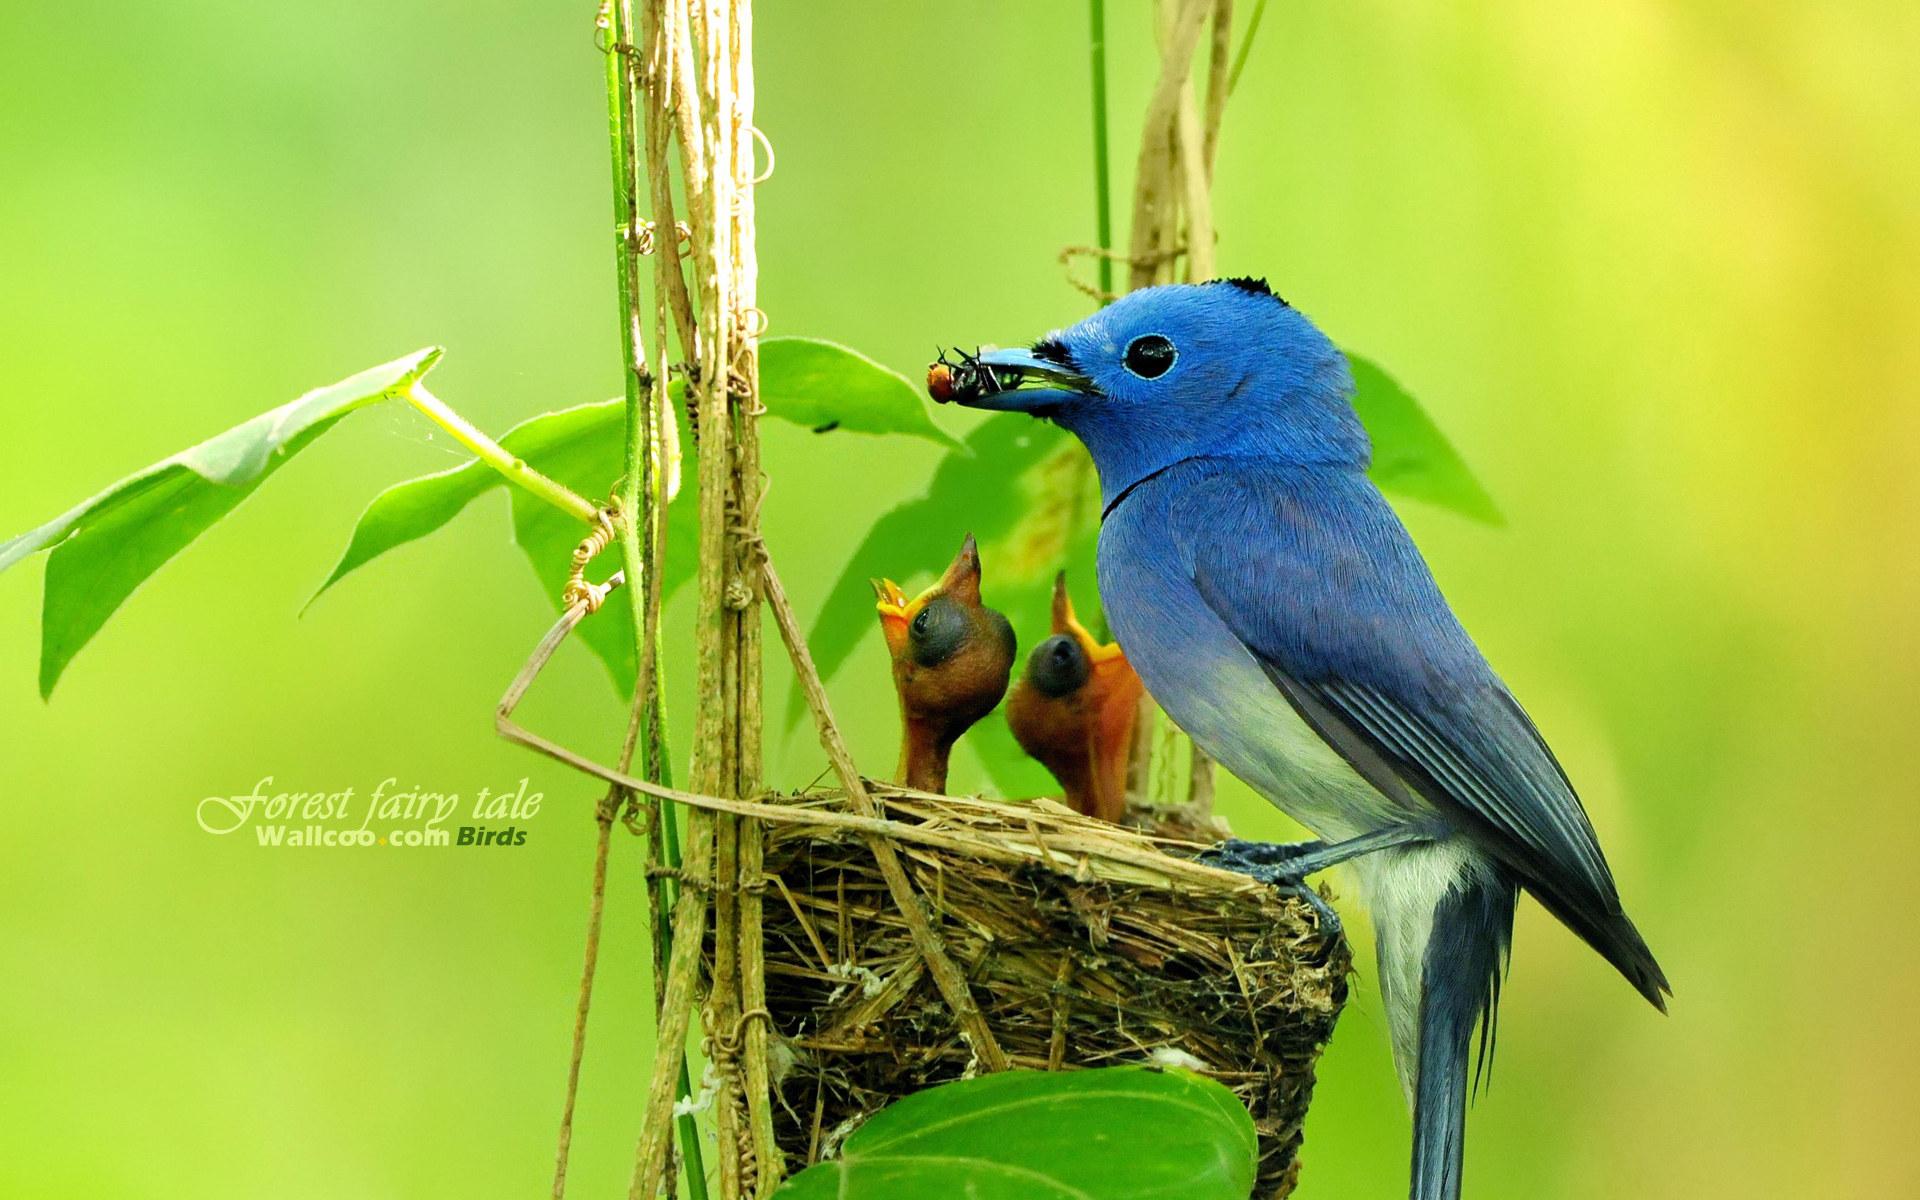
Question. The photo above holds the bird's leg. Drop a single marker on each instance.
(1286, 865)
(1274, 862)
(1239, 854)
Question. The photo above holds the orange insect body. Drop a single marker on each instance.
(941, 384)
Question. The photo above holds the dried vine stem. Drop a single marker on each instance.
(638, 501)
(670, 97)
(750, 488)
(718, 726)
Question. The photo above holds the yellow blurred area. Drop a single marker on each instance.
(1655, 268)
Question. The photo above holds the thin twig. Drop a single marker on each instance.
(596, 908)
(1152, 214)
(1197, 184)
(662, 78)
(766, 1159)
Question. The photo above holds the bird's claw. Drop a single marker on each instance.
(1245, 857)
(1272, 863)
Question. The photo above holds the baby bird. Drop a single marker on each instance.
(1074, 709)
(951, 659)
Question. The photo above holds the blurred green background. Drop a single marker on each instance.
(1652, 266)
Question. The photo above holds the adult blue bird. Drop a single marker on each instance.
(1278, 611)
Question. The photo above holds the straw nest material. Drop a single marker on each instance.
(1084, 944)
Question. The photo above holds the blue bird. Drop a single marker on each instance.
(1278, 611)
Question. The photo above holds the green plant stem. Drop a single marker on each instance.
(642, 492)
(1102, 188)
(499, 457)
(1246, 44)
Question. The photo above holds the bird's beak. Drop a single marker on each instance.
(895, 611)
(1007, 381)
(962, 579)
(1065, 622)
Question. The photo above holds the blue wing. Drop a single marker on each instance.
(1314, 574)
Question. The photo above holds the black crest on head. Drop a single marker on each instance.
(1253, 286)
(1053, 350)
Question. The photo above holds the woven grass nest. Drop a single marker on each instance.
(1085, 944)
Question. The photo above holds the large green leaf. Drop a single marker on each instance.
(1410, 454)
(824, 384)
(106, 548)
(582, 447)
(1120, 1133)
(408, 511)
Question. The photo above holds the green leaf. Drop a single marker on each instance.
(823, 384)
(1410, 454)
(1120, 1133)
(582, 447)
(107, 547)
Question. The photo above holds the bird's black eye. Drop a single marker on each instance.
(936, 632)
(1149, 356)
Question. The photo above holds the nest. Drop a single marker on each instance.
(1084, 944)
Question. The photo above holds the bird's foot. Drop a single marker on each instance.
(1245, 857)
(1278, 865)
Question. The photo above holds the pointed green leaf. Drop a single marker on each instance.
(822, 384)
(106, 548)
(1410, 454)
(582, 447)
(411, 510)
(1120, 1133)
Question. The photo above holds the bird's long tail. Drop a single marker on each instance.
(1464, 956)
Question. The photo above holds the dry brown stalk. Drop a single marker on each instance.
(1153, 211)
(672, 96)
(749, 487)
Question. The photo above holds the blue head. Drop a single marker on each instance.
(1225, 369)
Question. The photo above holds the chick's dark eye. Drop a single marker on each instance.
(1149, 356)
(936, 632)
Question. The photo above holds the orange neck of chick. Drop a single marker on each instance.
(924, 750)
(1093, 779)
